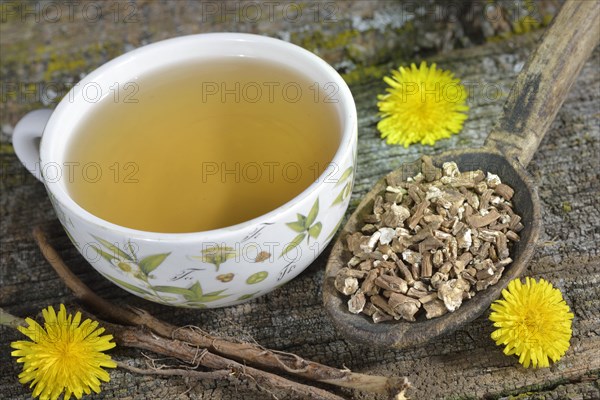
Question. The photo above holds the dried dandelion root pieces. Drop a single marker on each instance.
(431, 242)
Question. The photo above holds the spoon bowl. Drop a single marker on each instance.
(399, 334)
(533, 102)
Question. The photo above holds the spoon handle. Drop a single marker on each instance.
(542, 86)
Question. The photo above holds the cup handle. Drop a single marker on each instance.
(26, 140)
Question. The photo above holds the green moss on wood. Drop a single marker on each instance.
(316, 40)
(59, 63)
(64, 64)
(365, 74)
(6, 148)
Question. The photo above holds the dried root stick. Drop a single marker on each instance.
(247, 353)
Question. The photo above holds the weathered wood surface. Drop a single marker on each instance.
(464, 364)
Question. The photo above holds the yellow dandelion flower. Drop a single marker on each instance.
(533, 321)
(65, 355)
(422, 105)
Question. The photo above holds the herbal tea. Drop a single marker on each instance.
(203, 146)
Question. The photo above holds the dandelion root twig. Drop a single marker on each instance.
(80, 289)
(186, 373)
(246, 353)
(142, 339)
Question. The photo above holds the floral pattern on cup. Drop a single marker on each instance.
(335, 229)
(128, 263)
(64, 220)
(346, 179)
(126, 260)
(140, 273)
(225, 277)
(306, 228)
(216, 255)
(137, 272)
(193, 295)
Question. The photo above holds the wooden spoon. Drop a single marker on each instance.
(534, 100)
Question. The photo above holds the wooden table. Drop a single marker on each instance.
(364, 40)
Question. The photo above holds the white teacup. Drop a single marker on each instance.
(214, 268)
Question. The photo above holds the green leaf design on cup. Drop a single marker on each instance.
(196, 296)
(315, 230)
(127, 261)
(216, 255)
(247, 296)
(347, 174)
(293, 244)
(129, 286)
(108, 257)
(172, 290)
(114, 249)
(312, 214)
(296, 226)
(257, 277)
(212, 296)
(150, 263)
(306, 228)
(347, 189)
(337, 226)
(193, 295)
